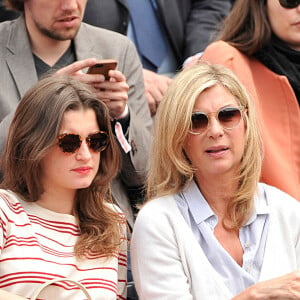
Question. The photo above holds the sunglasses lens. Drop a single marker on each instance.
(69, 143)
(289, 3)
(199, 121)
(229, 117)
(98, 141)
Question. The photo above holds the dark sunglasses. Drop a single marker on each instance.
(289, 3)
(228, 117)
(69, 142)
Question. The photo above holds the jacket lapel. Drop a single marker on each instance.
(84, 45)
(19, 57)
(123, 2)
(162, 2)
(171, 17)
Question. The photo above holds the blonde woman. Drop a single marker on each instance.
(260, 43)
(210, 230)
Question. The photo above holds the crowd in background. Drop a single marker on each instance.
(202, 122)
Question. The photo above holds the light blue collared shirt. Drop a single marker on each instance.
(168, 66)
(202, 220)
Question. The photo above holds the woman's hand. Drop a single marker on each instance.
(286, 287)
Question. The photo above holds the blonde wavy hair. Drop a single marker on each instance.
(170, 169)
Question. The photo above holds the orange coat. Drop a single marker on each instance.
(279, 114)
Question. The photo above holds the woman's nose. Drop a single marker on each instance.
(214, 127)
(84, 152)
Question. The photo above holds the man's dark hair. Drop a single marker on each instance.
(15, 4)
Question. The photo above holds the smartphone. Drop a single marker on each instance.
(102, 67)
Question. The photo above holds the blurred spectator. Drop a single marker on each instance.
(186, 26)
(7, 14)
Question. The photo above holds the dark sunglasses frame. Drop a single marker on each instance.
(97, 141)
(289, 3)
(228, 109)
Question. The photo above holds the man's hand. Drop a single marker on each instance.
(155, 87)
(113, 92)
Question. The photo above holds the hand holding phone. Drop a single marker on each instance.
(102, 67)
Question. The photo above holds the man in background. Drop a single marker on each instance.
(49, 36)
(185, 27)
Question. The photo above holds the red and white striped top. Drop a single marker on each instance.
(36, 245)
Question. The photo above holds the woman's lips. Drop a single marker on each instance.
(216, 151)
(82, 170)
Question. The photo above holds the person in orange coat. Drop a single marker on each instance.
(260, 42)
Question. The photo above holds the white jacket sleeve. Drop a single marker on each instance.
(158, 270)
